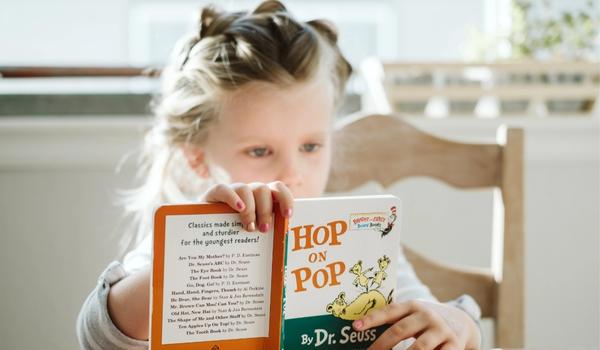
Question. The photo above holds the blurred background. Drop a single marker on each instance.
(74, 101)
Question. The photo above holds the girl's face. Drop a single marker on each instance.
(267, 133)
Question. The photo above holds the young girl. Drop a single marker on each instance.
(245, 118)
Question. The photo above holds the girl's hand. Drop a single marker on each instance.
(433, 325)
(254, 201)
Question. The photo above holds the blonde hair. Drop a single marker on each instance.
(226, 51)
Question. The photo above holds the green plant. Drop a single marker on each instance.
(570, 35)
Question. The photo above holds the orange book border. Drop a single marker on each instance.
(260, 343)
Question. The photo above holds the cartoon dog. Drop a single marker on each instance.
(358, 307)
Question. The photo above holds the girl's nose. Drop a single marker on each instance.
(290, 174)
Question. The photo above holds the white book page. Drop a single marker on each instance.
(217, 279)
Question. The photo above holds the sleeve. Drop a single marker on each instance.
(95, 329)
(466, 303)
(409, 286)
(139, 257)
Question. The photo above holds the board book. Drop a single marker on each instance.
(216, 286)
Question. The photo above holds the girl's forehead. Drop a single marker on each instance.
(266, 109)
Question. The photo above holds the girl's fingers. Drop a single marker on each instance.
(248, 214)
(429, 340)
(405, 328)
(390, 313)
(223, 193)
(254, 202)
(283, 195)
(264, 206)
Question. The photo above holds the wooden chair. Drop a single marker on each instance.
(364, 141)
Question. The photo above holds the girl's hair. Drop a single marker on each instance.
(226, 51)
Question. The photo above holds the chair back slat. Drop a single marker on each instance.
(387, 149)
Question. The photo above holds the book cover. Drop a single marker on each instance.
(341, 262)
(216, 286)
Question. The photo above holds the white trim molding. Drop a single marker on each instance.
(54, 143)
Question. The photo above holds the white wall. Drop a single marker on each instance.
(34, 32)
(59, 229)
(75, 32)
(57, 224)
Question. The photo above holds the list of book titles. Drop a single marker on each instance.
(217, 279)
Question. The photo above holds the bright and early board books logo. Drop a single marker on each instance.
(358, 279)
(381, 222)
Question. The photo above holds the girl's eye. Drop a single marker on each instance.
(259, 152)
(310, 147)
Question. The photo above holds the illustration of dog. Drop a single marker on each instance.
(358, 307)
